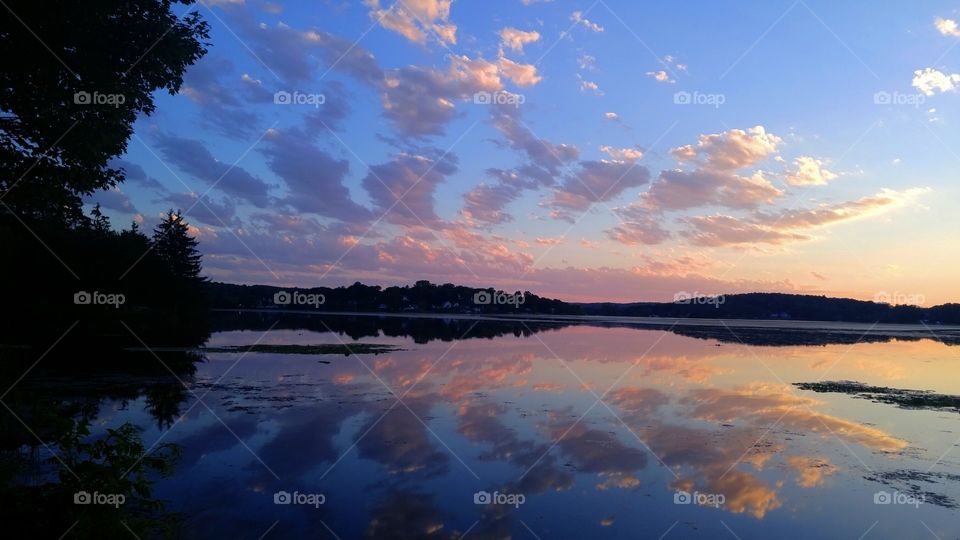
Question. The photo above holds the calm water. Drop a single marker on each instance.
(575, 432)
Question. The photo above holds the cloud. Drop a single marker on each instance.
(113, 199)
(206, 211)
(404, 187)
(413, 18)
(134, 173)
(793, 225)
(884, 201)
(661, 76)
(598, 181)
(313, 178)
(549, 241)
(578, 18)
(520, 74)
(639, 226)
(294, 55)
(622, 154)
(929, 81)
(611, 116)
(516, 39)
(678, 190)
(591, 86)
(731, 150)
(713, 180)
(727, 230)
(485, 202)
(947, 27)
(332, 113)
(220, 105)
(192, 157)
(420, 101)
(810, 172)
(541, 152)
(670, 60)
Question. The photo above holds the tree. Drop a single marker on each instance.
(73, 79)
(176, 249)
(100, 222)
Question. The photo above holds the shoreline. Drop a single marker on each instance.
(885, 329)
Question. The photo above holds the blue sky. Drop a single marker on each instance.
(818, 155)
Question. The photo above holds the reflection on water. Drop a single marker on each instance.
(500, 429)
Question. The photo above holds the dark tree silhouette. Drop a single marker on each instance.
(100, 222)
(73, 78)
(176, 249)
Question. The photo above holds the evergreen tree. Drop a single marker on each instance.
(176, 249)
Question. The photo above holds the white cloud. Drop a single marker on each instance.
(622, 154)
(731, 150)
(411, 19)
(520, 74)
(947, 27)
(929, 81)
(810, 172)
(586, 85)
(516, 39)
(611, 116)
(661, 76)
(578, 18)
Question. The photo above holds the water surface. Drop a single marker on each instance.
(577, 431)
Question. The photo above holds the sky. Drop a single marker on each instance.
(583, 150)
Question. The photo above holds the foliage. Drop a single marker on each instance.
(114, 464)
(73, 79)
(158, 278)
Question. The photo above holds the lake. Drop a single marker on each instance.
(486, 429)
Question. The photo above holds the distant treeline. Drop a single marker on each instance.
(426, 297)
(782, 306)
(423, 297)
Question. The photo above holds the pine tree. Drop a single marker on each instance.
(175, 247)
